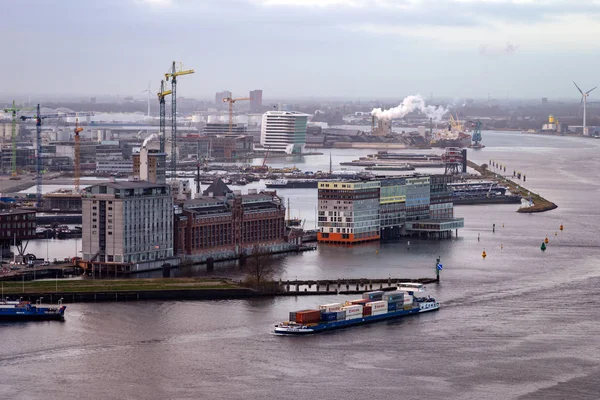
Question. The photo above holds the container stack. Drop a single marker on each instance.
(378, 307)
(353, 311)
(305, 316)
(373, 296)
(332, 312)
(395, 300)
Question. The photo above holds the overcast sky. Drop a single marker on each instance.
(301, 48)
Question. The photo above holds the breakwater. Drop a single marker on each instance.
(540, 204)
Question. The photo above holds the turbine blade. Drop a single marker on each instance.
(591, 89)
(580, 91)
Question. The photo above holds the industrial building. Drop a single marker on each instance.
(229, 223)
(16, 226)
(357, 211)
(62, 201)
(25, 158)
(119, 167)
(222, 128)
(284, 131)
(381, 127)
(228, 147)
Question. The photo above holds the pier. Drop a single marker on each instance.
(344, 286)
(101, 290)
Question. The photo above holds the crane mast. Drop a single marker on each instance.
(231, 101)
(161, 102)
(77, 149)
(38, 158)
(174, 125)
(38, 145)
(173, 74)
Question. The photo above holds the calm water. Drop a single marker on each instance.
(519, 324)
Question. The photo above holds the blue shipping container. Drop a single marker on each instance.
(391, 307)
(394, 296)
(341, 315)
(377, 295)
(329, 316)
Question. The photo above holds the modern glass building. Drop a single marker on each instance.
(357, 211)
(348, 211)
(284, 131)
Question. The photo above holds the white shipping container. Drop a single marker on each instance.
(333, 307)
(408, 299)
(352, 310)
(378, 305)
(379, 312)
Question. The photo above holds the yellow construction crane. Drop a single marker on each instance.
(161, 102)
(231, 101)
(173, 74)
(455, 123)
(77, 161)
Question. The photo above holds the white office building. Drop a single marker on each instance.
(284, 131)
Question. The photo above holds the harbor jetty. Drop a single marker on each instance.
(540, 204)
(102, 290)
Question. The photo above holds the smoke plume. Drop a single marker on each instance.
(150, 138)
(408, 105)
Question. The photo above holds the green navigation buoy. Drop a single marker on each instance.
(543, 246)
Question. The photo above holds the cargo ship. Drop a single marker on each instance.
(462, 141)
(292, 184)
(372, 307)
(24, 311)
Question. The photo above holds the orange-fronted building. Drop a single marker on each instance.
(349, 211)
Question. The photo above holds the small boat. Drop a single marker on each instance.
(24, 311)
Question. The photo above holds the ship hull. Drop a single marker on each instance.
(459, 142)
(32, 317)
(31, 313)
(293, 185)
(329, 326)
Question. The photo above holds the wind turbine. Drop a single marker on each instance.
(584, 97)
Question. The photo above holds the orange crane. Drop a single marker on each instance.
(77, 162)
(231, 101)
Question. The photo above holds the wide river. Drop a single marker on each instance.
(520, 323)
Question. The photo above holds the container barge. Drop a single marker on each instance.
(372, 307)
(24, 311)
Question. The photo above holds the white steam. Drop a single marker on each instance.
(150, 138)
(408, 105)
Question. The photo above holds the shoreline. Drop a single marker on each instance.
(540, 204)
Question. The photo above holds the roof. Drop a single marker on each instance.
(290, 113)
(217, 188)
(204, 201)
(129, 185)
(16, 212)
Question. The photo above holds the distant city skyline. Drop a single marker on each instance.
(326, 49)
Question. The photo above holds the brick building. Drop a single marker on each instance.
(233, 222)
